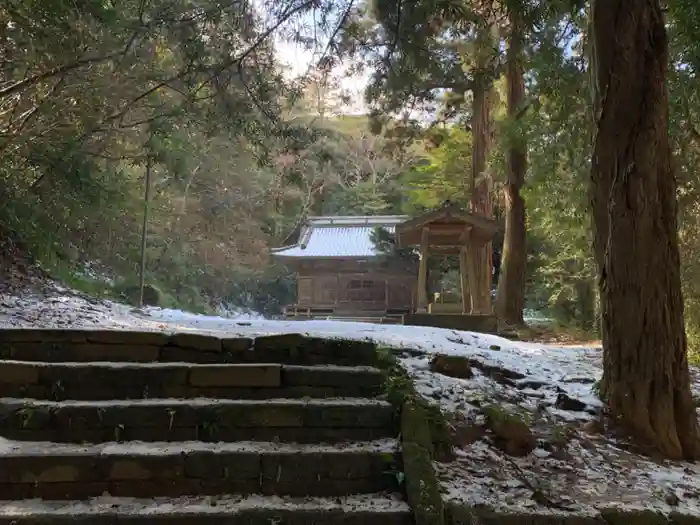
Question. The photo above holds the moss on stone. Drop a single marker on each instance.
(414, 427)
(511, 429)
(386, 360)
(422, 426)
(500, 414)
(460, 514)
(439, 431)
(152, 296)
(397, 386)
(399, 389)
(676, 518)
(422, 486)
(633, 517)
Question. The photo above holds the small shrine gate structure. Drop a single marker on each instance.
(341, 275)
(451, 231)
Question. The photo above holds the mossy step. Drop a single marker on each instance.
(286, 420)
(56, 472)
(190, 347)
(100, 380)
(231, 510)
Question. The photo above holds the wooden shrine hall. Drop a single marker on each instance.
(452, 231)
(341, 275)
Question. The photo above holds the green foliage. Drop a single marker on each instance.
(435, 55)
(91, 90)
(264, 292)
(152, 296)
(684, 32)
(443, 177)
(195, 88)
(690, 266)
(385, 243)
(365, 197)
(422, 53)
(559, 130)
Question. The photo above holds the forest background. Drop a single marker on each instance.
(95, 96)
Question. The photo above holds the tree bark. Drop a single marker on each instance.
(480, 204)
(482, 131)
(645, 378)
(510, 293)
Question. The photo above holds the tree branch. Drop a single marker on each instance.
(26, 82)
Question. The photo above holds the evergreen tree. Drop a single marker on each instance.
(646, 381)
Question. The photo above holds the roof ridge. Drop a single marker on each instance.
(352, 220)
(393, 216)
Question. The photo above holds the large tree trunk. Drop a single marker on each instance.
(510, 294)
(481, 194)
(480, 183)
(645, 378)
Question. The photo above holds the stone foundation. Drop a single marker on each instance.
(464, 322)
(146, 347)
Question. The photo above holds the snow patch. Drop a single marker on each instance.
(142, 448)
(228, 504)
(195, 401)
(170, 315)
(581, 479)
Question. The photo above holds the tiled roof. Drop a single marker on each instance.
(338, 236)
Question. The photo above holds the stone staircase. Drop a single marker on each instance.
(112, 426)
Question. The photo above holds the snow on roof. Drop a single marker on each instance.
(340, 236)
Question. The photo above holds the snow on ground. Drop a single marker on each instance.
(178, 316)
(64, 309)
(141, 448)
(575, 467)
(109, 506)
(582, 477)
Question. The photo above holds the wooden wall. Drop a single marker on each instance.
(355, 286)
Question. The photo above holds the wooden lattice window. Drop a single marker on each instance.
(305, 291)
(366, 290)
(326, 290)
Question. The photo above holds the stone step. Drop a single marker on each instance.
(126, 346)
(226, 510)
(145, 470)
(202, 419)
(102, 380)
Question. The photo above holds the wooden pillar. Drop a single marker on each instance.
(470, 255)
(386, 293)
(481, 284)
(422, 305)
(486, 278)
(336, 291)
(464, 281)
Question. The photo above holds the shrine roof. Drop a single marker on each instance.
(446, 226)
(338, 236)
